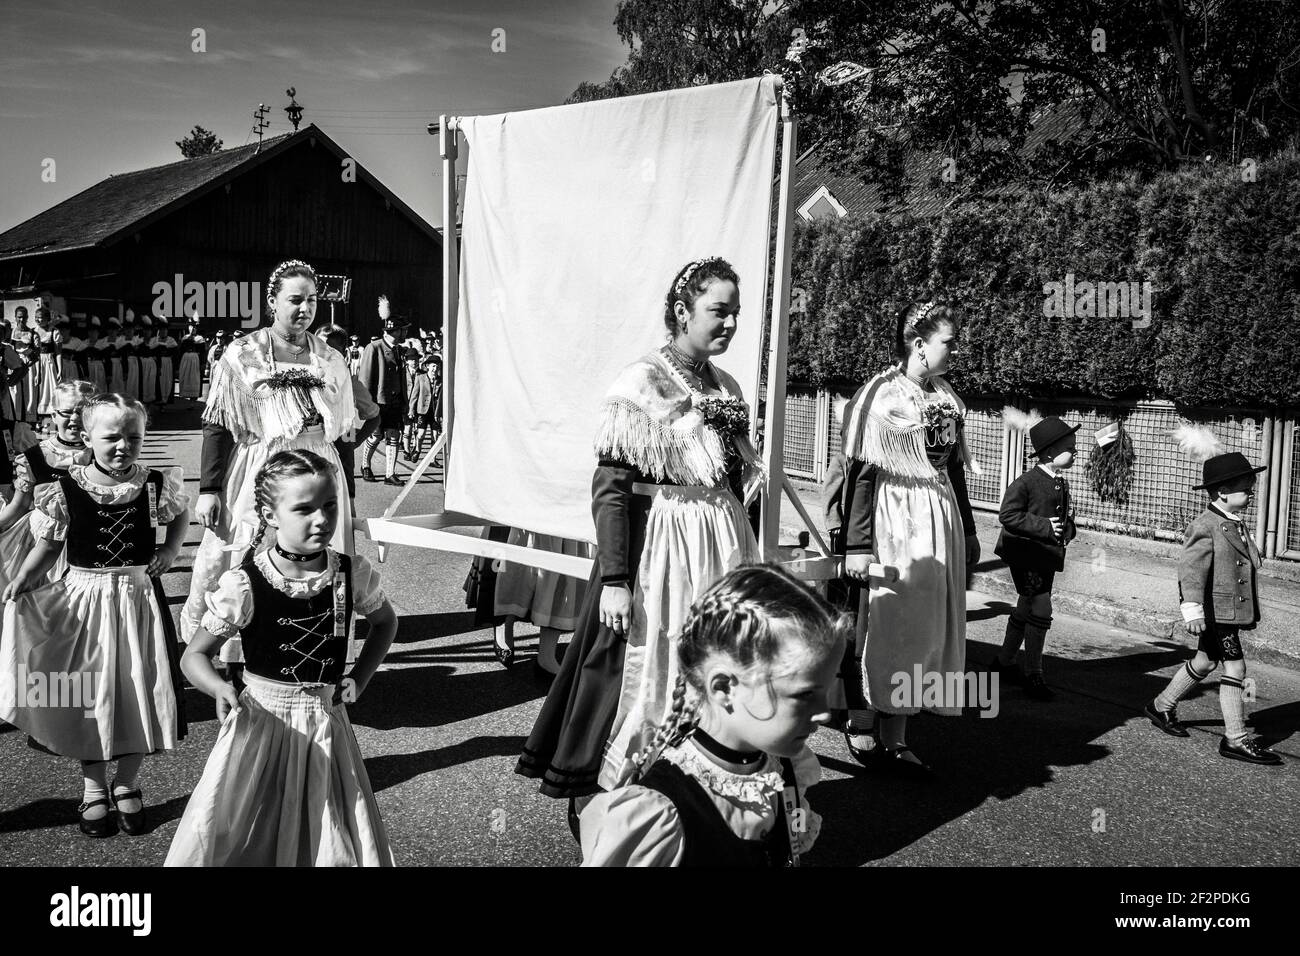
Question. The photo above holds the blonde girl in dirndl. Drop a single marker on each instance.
(103, 621)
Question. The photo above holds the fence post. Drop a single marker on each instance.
(821, 433)
(1270, 501)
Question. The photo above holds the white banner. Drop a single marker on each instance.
(576, 220)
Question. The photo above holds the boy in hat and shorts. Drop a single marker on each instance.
(1037, 524)
(1216, 587)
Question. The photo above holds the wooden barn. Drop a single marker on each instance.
(195, 235)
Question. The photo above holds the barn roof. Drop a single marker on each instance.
(121, 205)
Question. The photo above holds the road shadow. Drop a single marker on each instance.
(874, 814)
(390, 770)
(432, 696)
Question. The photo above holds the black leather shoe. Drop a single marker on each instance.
(575, 825)
(1249, 751)
(133, 824)
(1166, 720)
(394, 480)
(103, 827)
(367, 474)
(891, 758)
(862, 755)
(1036, 688)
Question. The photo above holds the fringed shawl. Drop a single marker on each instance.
(883, 426)
(649, 420)
(241, 400)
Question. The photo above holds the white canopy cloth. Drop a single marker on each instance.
(576, 220)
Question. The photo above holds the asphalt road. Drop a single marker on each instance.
(1083, 780)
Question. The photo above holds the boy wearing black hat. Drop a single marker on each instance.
(384, 377)
(1216, 588)
(1037, 524)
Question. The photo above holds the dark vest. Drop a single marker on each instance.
(42, 471)
(106, 535)
(292, 639)
(707, 839)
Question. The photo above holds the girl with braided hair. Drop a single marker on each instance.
(722, 781)
(906, 505)
(673, 460)
(275, 389)
(285, 784)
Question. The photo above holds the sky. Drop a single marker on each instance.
(105, 87)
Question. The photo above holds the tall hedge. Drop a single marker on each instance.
(1222, 256)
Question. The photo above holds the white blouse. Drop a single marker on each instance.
(637, 826)
(230, 606)
(50, 519)
(57, 454)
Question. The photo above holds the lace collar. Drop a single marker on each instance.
(748, 788)
(60, 455)
(83, 475)
(294, 587)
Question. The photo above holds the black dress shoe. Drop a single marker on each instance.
(1248, 751)
(1166, 720)
(891, 758)
(367, 474)
(575, 821)
(394, 480)
(103, 827)
(133, 824)
(862, 755)
(1036, 688)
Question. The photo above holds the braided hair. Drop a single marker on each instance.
(293, 463)
(689, 284)
(750, 615)
(920, 320)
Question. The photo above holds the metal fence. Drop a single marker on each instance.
(1161, 501)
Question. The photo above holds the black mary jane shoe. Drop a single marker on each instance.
(505, 655)
(133, 824)
(891, 758)
(860, 754)
(103, 827)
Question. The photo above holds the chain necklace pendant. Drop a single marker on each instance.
(288, 343)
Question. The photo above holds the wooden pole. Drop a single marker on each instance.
(450, 284)
(778, 338)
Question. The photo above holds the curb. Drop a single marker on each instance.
(1133, 619)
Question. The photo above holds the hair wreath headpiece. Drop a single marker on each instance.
(679, 287)
(284, 267)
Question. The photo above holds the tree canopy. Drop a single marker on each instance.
(200, 142)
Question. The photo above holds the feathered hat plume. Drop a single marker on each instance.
(384, 311)
(1018, 420)
(1197, 442)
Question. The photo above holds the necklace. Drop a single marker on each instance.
(295, 557)
(68, 444)
(289, 343)
(685, 362)
(112, 472)
(723, 752)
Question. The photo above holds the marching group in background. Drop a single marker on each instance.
(678, 717)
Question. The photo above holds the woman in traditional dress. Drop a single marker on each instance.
(275, 389)
(96, 356)
(48, 341)
(673, 448)
(548, 599)
(191, 371)
(169, 351)
(149, 360)
(907, 507)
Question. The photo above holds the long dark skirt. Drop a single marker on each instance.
(567, 744)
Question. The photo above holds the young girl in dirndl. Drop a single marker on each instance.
(285, 784)
(39, 465)
(48, 341)
(723, 781)
(103, 621)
